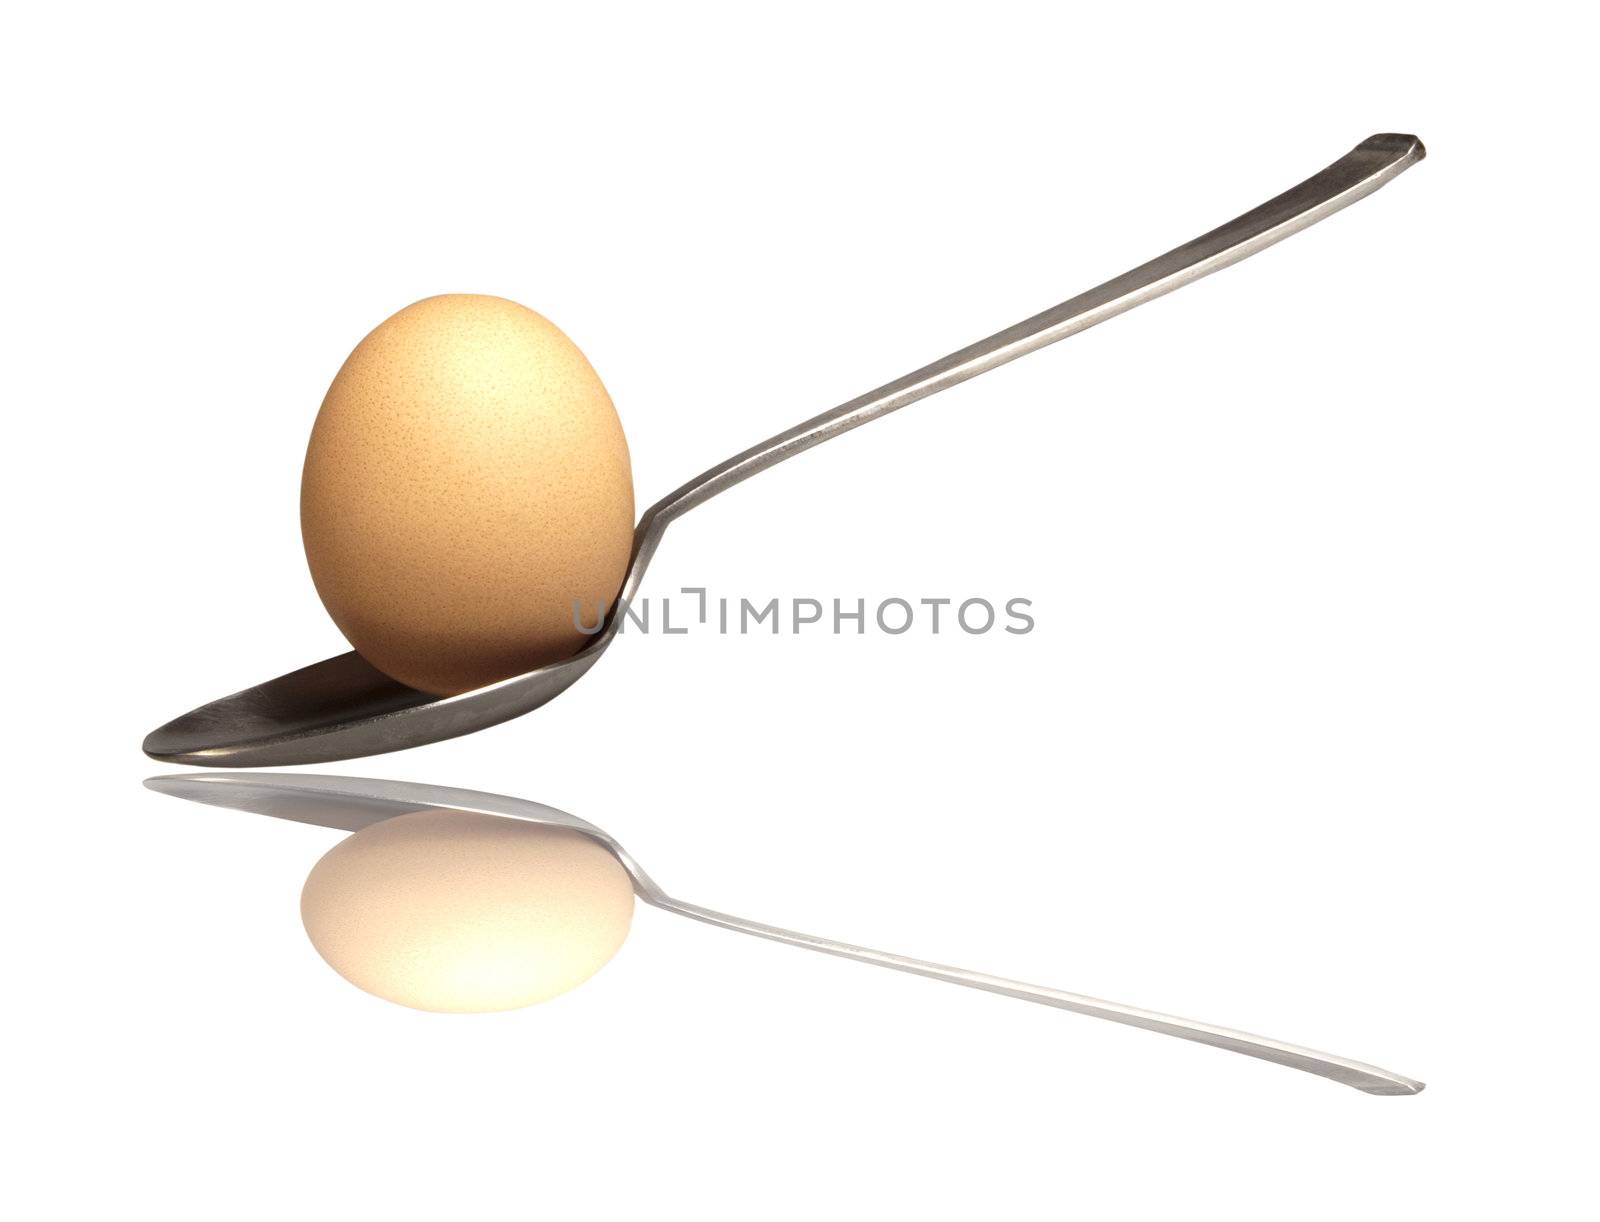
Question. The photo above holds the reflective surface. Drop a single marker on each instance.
(351, 803)
(342, 708)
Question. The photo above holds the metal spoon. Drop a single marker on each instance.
(343, 708)
(351, 803)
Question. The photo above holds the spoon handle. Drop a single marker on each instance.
(1357, 174)
(1368, 1078)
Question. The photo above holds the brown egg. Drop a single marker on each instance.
(466, 484)
(463, 913)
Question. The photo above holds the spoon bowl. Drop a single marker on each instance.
(343, 707)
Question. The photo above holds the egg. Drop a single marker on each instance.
(467, 498)
(461, 912)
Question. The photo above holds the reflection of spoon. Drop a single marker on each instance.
(351, 803)
(342, 708)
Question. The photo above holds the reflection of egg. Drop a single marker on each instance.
(462, 912)
(467, 481)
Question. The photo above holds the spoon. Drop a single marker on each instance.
(351, 803)
(343, 707)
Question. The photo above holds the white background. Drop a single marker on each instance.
(1304, 741)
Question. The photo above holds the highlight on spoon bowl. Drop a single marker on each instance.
(467, 502)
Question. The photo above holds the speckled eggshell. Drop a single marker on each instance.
(460, 912)
(467, 481)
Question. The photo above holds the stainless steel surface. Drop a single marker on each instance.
(350, 803)
(342, 708)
